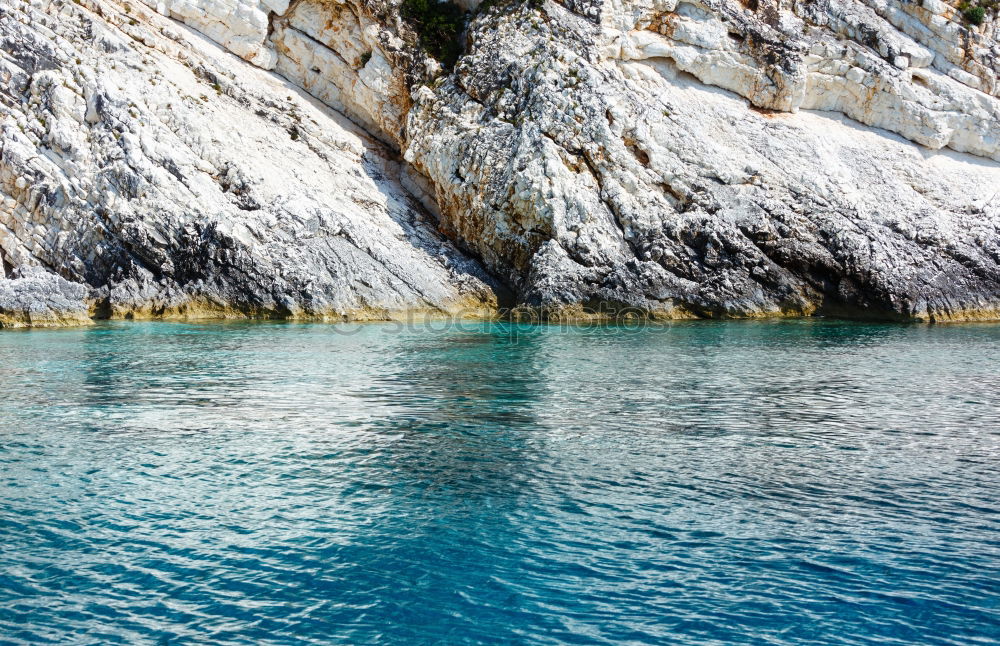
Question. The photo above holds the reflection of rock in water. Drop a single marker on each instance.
(143, 379)
(107, 377)
(467, 407)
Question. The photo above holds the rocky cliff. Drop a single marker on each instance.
(709, 158)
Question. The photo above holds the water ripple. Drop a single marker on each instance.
(733, 483)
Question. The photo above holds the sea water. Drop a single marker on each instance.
(806, 482)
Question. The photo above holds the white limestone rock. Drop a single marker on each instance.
(241, 26)
(592, 162)
(175, 180)
(681, 157)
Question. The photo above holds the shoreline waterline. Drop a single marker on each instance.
(571, 317)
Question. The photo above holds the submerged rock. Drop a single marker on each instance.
(704, 158)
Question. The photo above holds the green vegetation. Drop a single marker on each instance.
(975, 15)
(439, 25)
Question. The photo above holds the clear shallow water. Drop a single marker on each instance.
(711, 483)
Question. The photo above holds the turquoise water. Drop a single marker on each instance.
(708, 483)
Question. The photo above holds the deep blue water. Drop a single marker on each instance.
(708, 483)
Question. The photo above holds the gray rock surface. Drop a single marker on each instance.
(173, 179)
(627, 181)
(705, 158)
(34, 297)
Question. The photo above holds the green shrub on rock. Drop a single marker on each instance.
(439, 25)
(975, 15)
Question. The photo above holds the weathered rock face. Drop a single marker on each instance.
(33, 297)
(174, 180)
(708, 158)
(584, 153)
